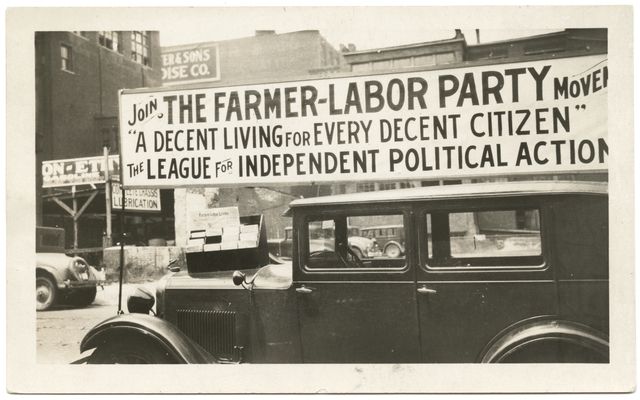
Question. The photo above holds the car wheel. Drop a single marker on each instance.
(130, 351)
(84, 297)
(46, 292)
(392, 251)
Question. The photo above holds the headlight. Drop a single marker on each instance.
(140, 300)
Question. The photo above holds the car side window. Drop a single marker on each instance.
(351, 242)
(489, 238)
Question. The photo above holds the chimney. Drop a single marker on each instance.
(352, 47)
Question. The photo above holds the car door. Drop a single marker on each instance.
(484, 265)
(354, 311)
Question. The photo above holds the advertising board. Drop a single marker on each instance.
(546, 116)
(78, 171)
(136, 199)
(190, 64)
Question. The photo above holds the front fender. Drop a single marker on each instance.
(548, 327)
(183, 349)
(53, 272)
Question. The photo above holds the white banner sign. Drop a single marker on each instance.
(135, 199)
(78, 171)
(545, 116)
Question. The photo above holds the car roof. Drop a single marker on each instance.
(493, 189)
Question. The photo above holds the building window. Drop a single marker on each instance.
(430, 183)
(387, 186)
(65, 54)
(365, 187)
(110, 40)
(81, 33)
(406, 185)
(140, 47)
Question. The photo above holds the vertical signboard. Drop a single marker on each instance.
(136, 199)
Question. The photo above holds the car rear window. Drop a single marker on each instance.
(489, 238)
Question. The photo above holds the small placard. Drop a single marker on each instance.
(214, 218)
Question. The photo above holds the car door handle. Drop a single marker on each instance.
(303, 289)
(426, 290)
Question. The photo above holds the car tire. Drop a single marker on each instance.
(130, 351)
(46, 293)
(84, 297)
(392, 251)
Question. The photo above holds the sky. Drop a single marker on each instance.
(365, 27)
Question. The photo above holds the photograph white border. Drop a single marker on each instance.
(24, 375)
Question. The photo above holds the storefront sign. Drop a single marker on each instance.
(546, 116)
(78, 171)
(190, 64)
(136, 199)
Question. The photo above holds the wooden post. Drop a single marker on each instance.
(75, 220)
(121, 252)
(107, 196)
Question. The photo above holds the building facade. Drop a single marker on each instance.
(78, 76)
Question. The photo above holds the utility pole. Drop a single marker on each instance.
(107, 242)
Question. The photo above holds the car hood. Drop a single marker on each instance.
(272, 276)
(360, 241)
(53, 259)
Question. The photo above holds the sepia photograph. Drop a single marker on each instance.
(304, 199)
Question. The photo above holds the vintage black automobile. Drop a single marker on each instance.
(505, 272)
(60, 278)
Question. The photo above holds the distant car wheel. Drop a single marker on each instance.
(393, 251)
(133, 351)
(46, 292)
(84, 297)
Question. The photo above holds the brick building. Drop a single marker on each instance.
(78, 76)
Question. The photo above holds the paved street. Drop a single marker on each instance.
(60, 331)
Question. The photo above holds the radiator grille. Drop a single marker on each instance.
(214, 331)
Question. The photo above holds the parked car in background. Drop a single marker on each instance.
(510, 272)
(60, 278)
(390, 238)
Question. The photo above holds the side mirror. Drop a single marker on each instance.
(238, 278)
